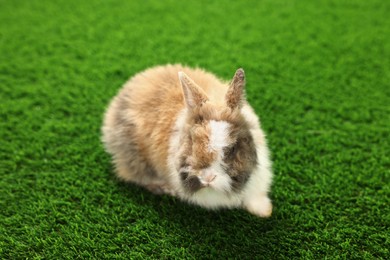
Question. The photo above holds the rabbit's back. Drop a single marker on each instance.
(138, 122)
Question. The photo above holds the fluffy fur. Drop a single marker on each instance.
(182, 131)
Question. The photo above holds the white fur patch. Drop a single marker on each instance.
(219, 135)
(221, 181)
(218, 194)
(213, 199)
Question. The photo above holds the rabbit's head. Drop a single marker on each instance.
(217, 150)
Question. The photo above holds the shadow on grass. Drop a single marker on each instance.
(226, 233)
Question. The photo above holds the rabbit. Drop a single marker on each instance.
(181, 131)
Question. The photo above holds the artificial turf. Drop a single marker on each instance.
(318, 75)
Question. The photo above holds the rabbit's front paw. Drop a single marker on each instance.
(260, 206)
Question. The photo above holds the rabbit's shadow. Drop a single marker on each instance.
(234, 231)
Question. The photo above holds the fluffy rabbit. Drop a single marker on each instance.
(183, 132)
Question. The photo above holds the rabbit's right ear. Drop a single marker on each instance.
(193, 94)
(236, 92)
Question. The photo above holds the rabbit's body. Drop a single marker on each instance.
(205, 146)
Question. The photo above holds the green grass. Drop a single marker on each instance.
(318, 74)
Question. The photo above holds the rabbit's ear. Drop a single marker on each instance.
(193, 94)
(236, 92)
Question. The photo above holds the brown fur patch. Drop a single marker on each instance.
(241, 159)
(202, 155)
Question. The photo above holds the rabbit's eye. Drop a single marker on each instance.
(183, 175)
(235, 178)
(231, 151)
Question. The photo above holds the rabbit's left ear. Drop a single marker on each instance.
(193, 94)
(235, 95)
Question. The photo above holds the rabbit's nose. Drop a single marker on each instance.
(207, 178)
